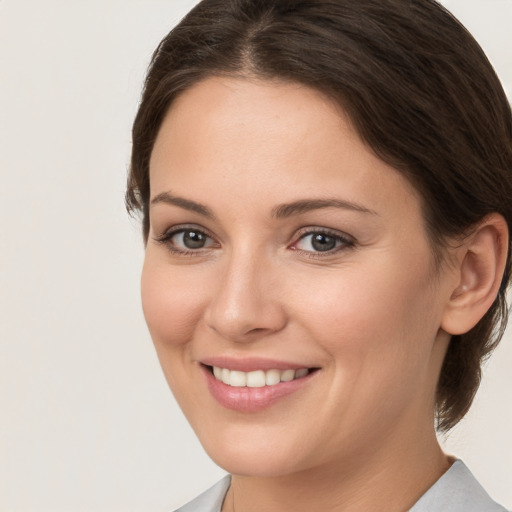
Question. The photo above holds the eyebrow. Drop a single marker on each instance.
(186, 204)
(305, 205)
(280, 211)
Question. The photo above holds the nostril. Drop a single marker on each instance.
(256, 330)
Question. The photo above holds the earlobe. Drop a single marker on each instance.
(480, 265)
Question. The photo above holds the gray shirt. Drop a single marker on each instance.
(456, 491)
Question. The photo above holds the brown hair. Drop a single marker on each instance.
(418, 89)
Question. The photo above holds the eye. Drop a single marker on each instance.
(187, 239)
(190, 239)
(322, 242)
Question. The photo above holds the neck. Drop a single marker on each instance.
(397, 476)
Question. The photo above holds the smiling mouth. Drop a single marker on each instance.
(258, 378)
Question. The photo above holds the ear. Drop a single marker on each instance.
(479, 266)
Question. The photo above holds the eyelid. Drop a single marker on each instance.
(169, 233)
(347, 241)
(176, 228)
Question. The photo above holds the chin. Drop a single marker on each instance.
(264, 459)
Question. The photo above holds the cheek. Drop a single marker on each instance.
(373, 318)
(172, 303)
(378, 333)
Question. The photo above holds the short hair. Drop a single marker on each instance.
(419, 91)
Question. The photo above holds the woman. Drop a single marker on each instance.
(325, 189)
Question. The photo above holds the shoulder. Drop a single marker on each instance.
(457, 491)
(210, 500)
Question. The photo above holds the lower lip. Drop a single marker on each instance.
(245, 399)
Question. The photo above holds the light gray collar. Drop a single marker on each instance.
(456, 491)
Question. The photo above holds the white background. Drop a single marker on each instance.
(86, 420)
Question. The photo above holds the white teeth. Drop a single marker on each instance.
(272, 377)
(287, 375)
(257, 378)
(302, 372)
(237, 379)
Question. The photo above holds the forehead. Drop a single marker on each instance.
(268, 142)
(258, 114)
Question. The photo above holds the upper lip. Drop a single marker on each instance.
(250, 364)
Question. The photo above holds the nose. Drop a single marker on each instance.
(245, 305)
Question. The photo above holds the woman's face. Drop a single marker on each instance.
(280, 242)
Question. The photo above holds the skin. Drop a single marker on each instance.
(368, 314)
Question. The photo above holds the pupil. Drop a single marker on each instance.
(194, 240)
(323, 242)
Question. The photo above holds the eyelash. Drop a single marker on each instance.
(343, 241)
(166, 239)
